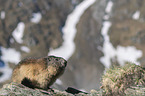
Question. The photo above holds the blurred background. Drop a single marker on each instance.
(108, 32)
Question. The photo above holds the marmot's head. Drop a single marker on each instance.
(56, 63)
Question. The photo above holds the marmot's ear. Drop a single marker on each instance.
(47, 60)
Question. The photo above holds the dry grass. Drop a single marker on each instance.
(117, 79)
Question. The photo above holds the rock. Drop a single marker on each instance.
(18, 89)
(14, 89)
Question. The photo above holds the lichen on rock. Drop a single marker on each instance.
(15, 89)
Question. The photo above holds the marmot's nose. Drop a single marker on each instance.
(65, 63)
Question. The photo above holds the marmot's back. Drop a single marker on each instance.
(39, 73)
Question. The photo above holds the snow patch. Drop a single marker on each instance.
(18, 32)
(109, 53)
(136, 15)
(10, 55)
(7, 72)
(105, 29)
(109, 7)
(69, 31)
(129, 53)
(3, 14)
(25, 49)
(36, 17)
(123, 54)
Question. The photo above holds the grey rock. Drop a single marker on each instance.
(14, 89)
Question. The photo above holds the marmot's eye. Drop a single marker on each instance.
(48, 59)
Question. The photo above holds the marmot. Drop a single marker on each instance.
(39, 73)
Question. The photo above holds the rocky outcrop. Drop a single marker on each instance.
(128, 80)
(14, 89)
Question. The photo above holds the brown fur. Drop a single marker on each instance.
(39, 73)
